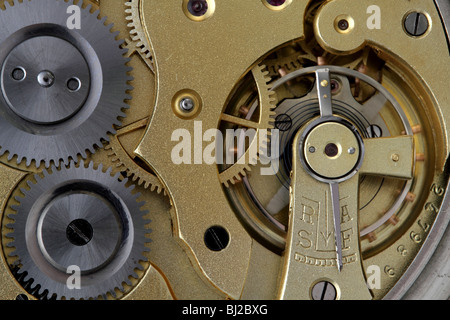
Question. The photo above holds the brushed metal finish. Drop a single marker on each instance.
(50, 205)
(35, 125)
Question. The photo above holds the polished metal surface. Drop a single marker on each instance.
(335, 185)
(83, 217)
(444, 11)
(42, 109)
(43, 96)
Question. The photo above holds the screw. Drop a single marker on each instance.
(187, 104)
(312, 149)
(374, 131)
(351, 150)
(79, 232)
(416, 24)
(395, 157)
(323, 290)
(324, 83)
(46, 79)
(283, 122)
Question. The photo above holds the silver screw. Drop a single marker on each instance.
(323, 290)
(312, 149)
(374, 131)
(46, 79)
(351, 150)
(187, 104)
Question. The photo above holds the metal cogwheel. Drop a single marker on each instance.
(266, 104)
(286, 61)
(62, 88)
(120, 153)
(137, 32)
(131, 169)
(84, 217)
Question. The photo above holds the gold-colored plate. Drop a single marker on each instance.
(225, 62)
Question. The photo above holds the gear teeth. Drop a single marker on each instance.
(10, 235)
(120, 42)
(25, 277)
(18, 199)
(140, 268)
(289, 63)
(125, 164)
(129, 69)
(12, 245)
(83, 170)
(70, 150)
(267, 104)
(134, 275)
(31, 183)
(137, 33)
(52, 168)
(116, 33)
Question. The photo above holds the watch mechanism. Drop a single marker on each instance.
(213, 150)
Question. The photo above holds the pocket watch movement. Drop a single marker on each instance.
(212, 150)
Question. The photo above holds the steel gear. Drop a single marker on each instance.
(122, 157)
(266, 103)
(84, 217)
(63, 89)
(137, 32)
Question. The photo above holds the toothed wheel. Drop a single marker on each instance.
(256, 113)
(83, 217)
(129, 166)
(63, 87)
(137, 32)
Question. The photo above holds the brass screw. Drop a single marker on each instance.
(395, 157)
(324, 83)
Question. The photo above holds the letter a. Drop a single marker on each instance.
(374, 277)
(74, 281)
(74, 21)
(374, 21)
